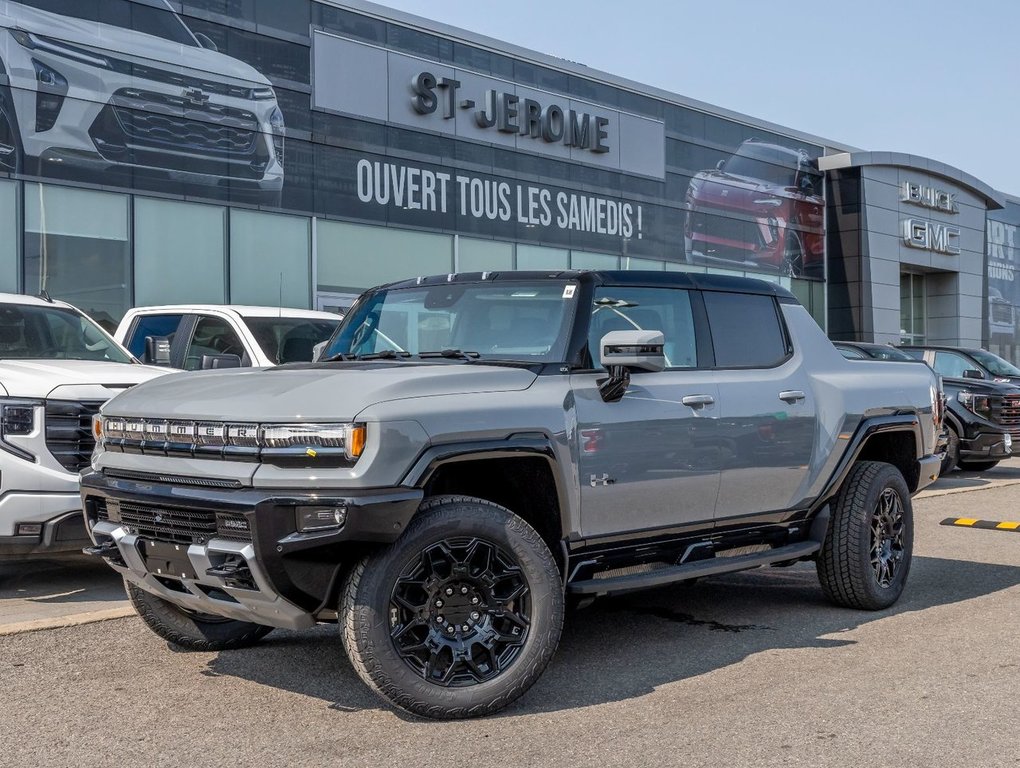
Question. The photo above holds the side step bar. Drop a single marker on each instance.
(696, 569)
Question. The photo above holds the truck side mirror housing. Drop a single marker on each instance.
(639, 350)
(157, 350)
(213, 362)
(624, 351)
(973, 373)
(318, 349)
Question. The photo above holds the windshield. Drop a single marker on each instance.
(156, 19)
(54, 333)
(995, 364)
(290, 339)
(507, 320)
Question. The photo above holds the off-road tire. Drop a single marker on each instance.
(952, 456)
(366, 610)
(977, 466)
(845, 567)
(192, 631)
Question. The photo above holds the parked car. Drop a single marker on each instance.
(119, 86)
(474, 449)
(761, 207)
(983, 405)
(200, 336)
(57, 367)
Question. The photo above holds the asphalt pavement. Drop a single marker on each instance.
(751, 669)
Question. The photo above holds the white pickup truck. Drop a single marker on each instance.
(202, 336)
(57, 367)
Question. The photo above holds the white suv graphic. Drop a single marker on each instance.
(124, 85)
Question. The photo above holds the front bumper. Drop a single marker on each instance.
(988, 446)
(268, 574)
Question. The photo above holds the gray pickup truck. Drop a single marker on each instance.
(475, 452)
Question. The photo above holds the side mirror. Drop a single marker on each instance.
(623, 351)
(157, 350)
(211, 362)
(972, 373)
(206, 42)
(634, 349)
(318, 349)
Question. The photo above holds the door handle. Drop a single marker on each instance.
(697, 401)
(791, 395)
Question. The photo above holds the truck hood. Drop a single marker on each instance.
(71, 379)
(308, 393)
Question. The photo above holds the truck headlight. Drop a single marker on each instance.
(978, 404)
(18, 419)
(348, 437)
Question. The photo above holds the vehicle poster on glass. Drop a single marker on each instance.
(1003, 311)
(245, 104)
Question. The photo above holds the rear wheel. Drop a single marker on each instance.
(977, 466)
(459, 616)
(867, 552)
(190, 630)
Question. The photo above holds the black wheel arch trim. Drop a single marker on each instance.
(868, 428)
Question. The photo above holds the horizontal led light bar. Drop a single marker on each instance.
(347, 437)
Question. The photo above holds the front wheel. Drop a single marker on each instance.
(190, 630)
(459, 616)
(866, 556)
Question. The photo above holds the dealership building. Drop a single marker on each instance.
(295, 153)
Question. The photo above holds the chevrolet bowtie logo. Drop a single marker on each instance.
(195, 96)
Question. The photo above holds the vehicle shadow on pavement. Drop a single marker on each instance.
(625, 647)
(70, 579)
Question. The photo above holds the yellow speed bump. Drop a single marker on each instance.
(988, 525)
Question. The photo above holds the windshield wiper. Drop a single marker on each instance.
(386, 354)
(453, 354)
(338, 357)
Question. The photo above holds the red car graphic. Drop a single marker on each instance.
(760, 208)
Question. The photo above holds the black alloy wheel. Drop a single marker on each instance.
(459, 616)
(887, 547)
(460, 612)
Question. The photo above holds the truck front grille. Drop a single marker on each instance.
(69, 431)
(175, 524)
(1009, 412)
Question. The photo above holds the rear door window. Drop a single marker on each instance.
(746, 330)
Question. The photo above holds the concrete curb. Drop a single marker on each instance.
(73, 620)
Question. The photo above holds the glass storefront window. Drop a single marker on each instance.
(9, 236)
(353, 257)
(180, 252)
(582, 260)
(912, 304)
(643, 264)
(77, 249)
(270, 259)
(537, 257)
(474, 255)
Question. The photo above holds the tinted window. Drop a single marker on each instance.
(289, 339)
(646, 309)
(952, 365)
(213, 336)
(746, 331)
(151, 325)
